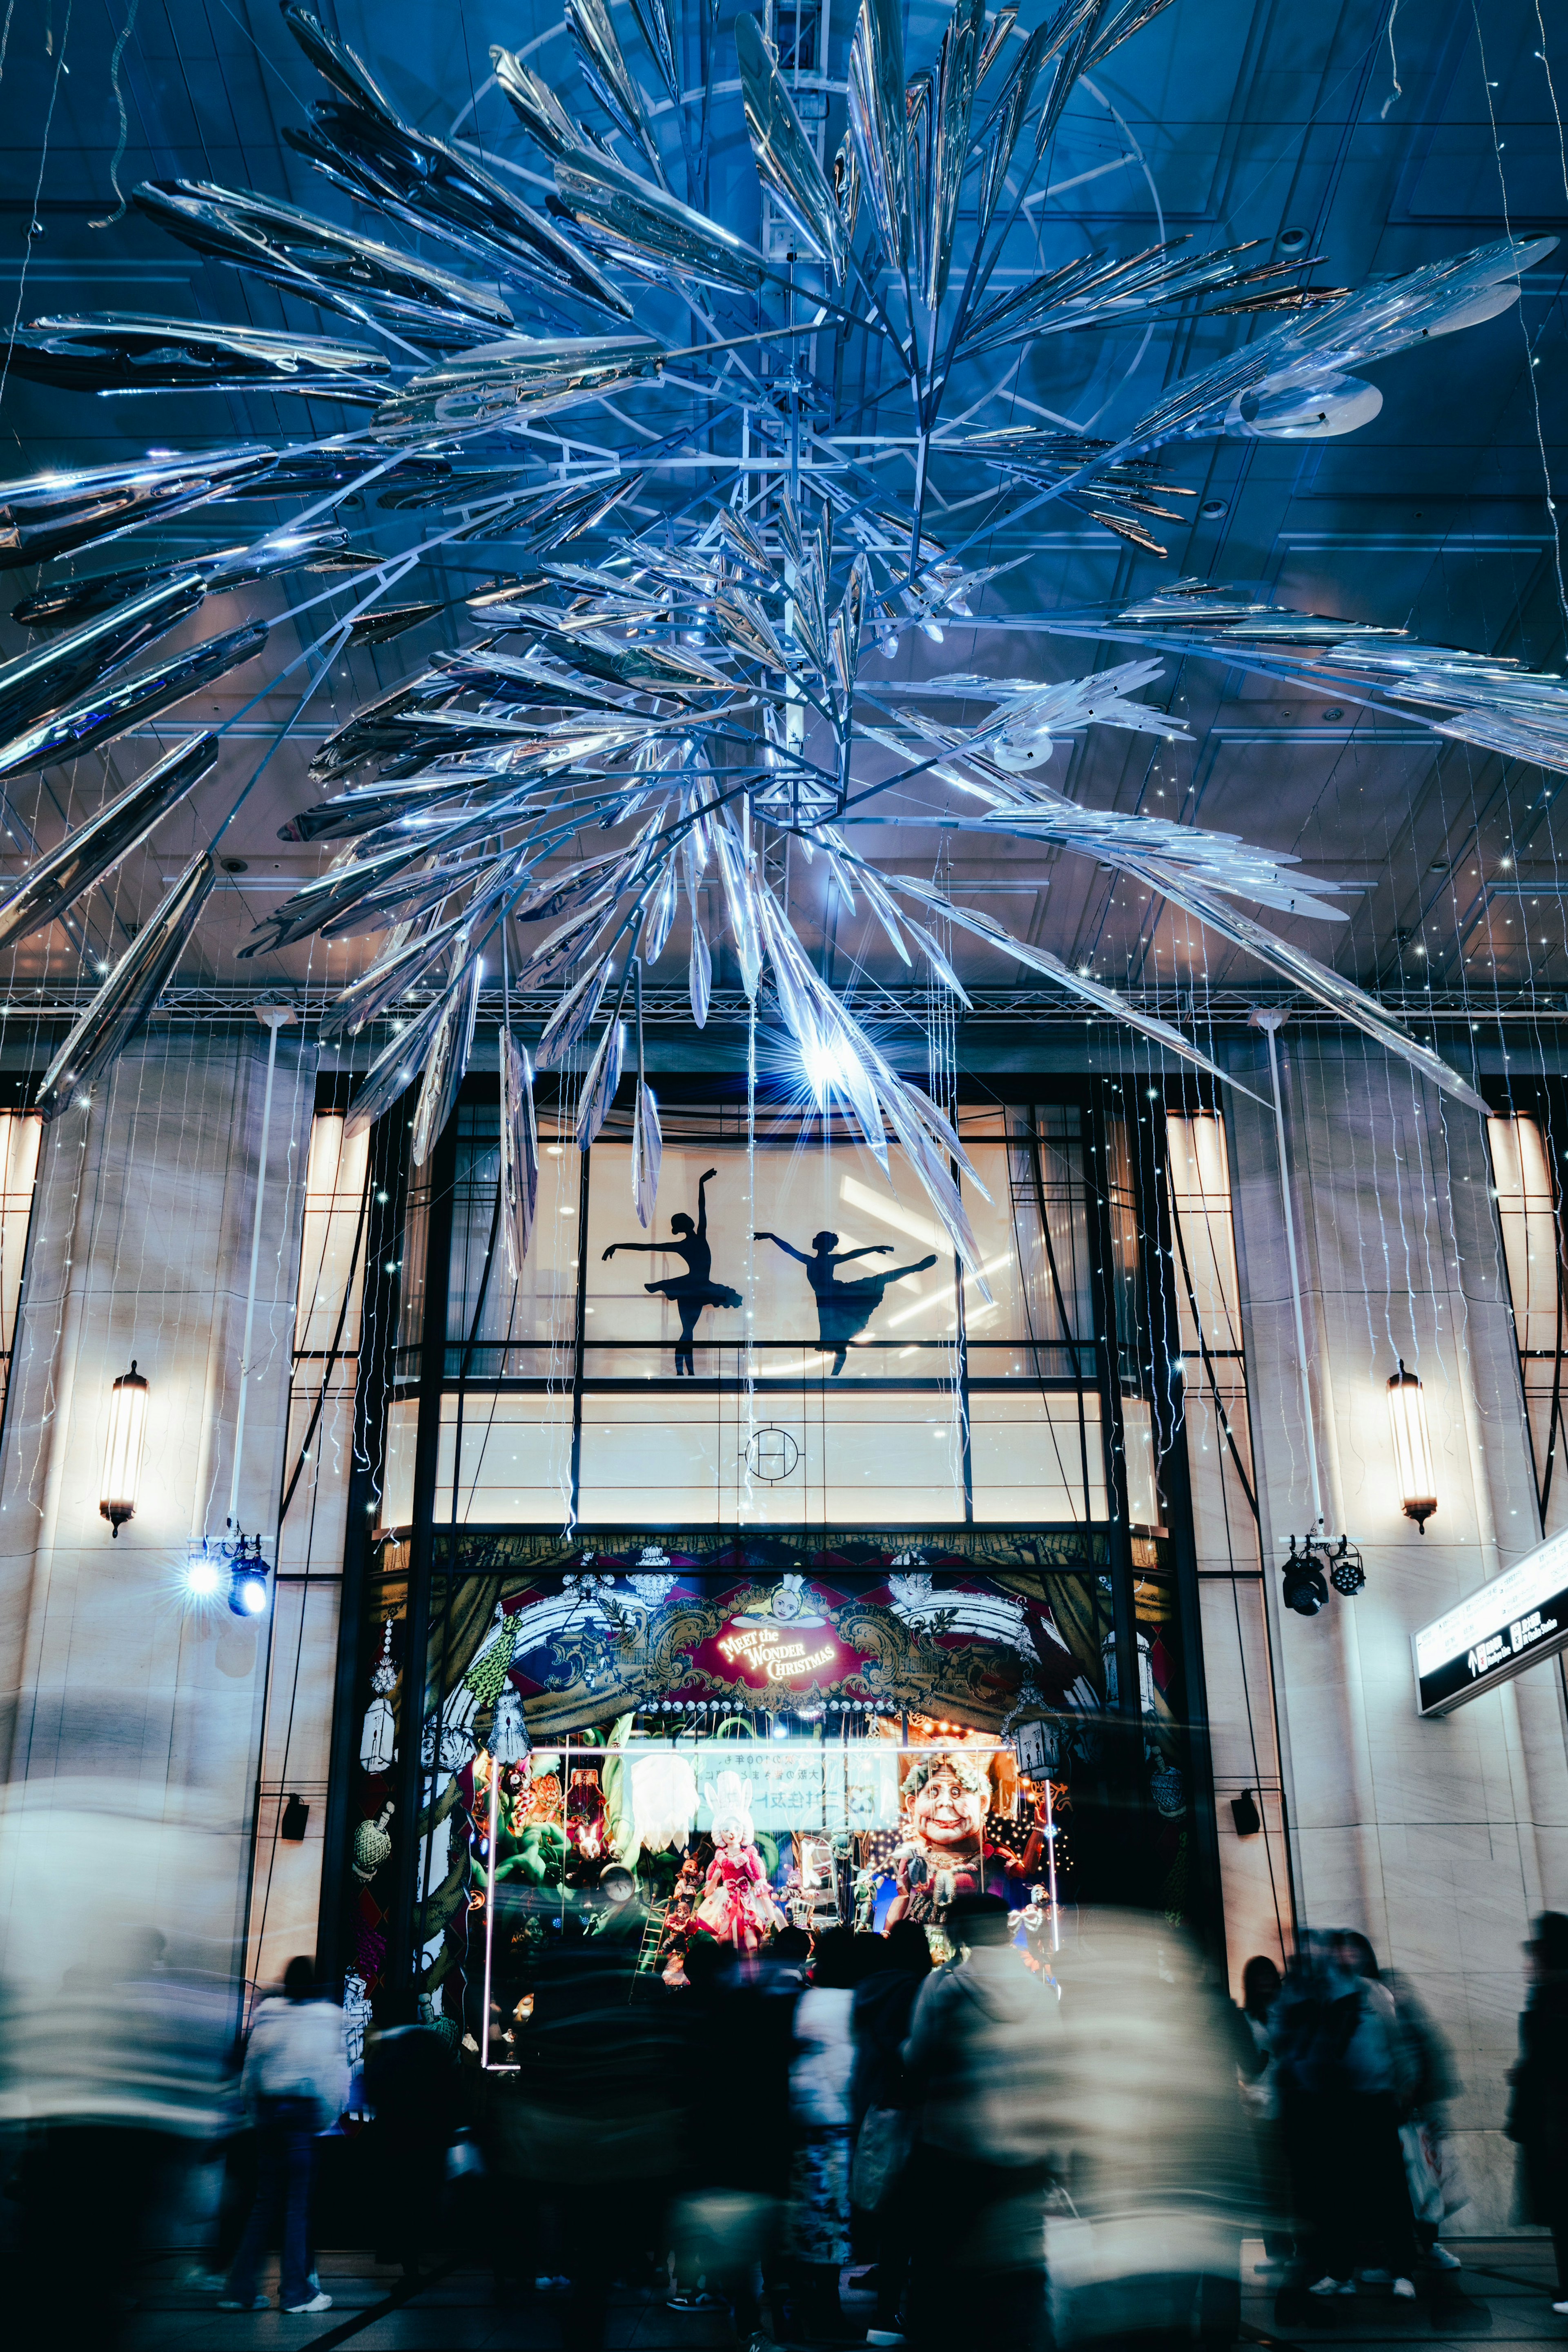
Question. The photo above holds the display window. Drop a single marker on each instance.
(640, 1744)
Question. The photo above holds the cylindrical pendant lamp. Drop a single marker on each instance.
(123, 1454)
(1412, 1447)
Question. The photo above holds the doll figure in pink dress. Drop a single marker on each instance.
(738, 1906)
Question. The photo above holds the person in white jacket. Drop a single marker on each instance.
(296, 2083)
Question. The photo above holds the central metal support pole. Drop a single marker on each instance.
(273, 1017)
(1271, 1020)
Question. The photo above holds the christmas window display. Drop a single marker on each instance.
(646, 1744)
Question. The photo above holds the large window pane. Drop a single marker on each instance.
(516, 1459)
(1036, 1459)
(526, 1331)
(332, 1241)
(1202, 1233)
(859, 1457)
(21, 1135)
(893, 1305)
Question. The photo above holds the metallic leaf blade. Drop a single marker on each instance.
(400, 969)
(954, 101)
(700, 970)
(658, 29)
(110, 352)
(53, 674)
(599, 1085)
(604, 69)
(661, 916)
(877, 121)
(519, 1155)
(127, 997)
(394, 1071)
(447, 1063)
(104, 716)
(785, 158)
(54, 513)
(95, 848)
(643, 229)
(522, 378)
(323, 263)
(648, 1154)
(573, 1017)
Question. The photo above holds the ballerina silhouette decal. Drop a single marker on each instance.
(694, 1290)
(843, 1309)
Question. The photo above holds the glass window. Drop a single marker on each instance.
(527, 1332)
(795, 1289)
(324, 1373)
(21, 1135)
(889, 1298)
(332, 1237)
(1037, 1458)
(516, 1458)
(1202, 1233)
(397, 1503)
(1528, 1216)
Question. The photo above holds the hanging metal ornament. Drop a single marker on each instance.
(509, 1741)
(371, 1845)
(707, 648)
(378, 1735)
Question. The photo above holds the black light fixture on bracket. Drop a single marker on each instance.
(1320, 1563)
(247, 1576)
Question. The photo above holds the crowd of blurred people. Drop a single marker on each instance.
(1078, 2153)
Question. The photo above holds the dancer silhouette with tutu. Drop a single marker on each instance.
(694, 1290)
(843, 1309)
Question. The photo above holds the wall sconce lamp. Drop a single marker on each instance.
(123, 1454)
(1412, 1447)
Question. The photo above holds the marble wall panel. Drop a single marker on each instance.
(1436, 1840)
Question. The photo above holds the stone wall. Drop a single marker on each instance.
(128, 1721)
(1438, 1840)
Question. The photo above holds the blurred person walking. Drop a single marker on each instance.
(1259, 2083)
(1425, 2080)
(295, 2082)
(1340, 2065)
(594, 2126)
(115, 2081)
(881, 2011)
(1538, 2108)
(1260, 1986)
(727, 2218)
(412, 2086)
(1162, 2171)
(979, 2062)
(820, 2078)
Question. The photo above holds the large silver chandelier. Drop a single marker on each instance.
(648, 409)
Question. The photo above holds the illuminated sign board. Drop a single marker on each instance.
(780, 1653)
(1517, 1619)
